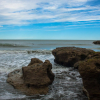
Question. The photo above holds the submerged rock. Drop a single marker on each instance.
(68, 56)
(90, 72)
(97, 42)
(34, 78)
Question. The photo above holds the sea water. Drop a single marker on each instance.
(15, 54)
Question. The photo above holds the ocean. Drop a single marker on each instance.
(15, 54)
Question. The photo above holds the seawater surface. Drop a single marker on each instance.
(18, 45)
(15, 54)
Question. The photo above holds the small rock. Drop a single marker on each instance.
(97, 42)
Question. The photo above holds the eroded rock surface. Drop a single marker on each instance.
(90, 72)
(38, 74)
(68, 56)
(34, 78)
(88, 63)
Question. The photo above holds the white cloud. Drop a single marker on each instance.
(1, 26)
(23, 12)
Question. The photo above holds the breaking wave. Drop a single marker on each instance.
(28, 51)
(11, 45)
(40, 51)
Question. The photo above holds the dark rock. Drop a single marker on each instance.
(88, 63)
(94, 55)
(38, 74)
(34, 60)
(76, 65)
(90, 73)
(33, 79)
(68, 56)
(97, 42)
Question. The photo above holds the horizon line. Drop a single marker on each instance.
(49, 39)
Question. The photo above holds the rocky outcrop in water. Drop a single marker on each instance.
(32, 79)
(88, 63)
(90, 72)
(96, 42)
(69, 56)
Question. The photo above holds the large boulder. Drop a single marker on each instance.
(34, 78)
(38, 74)
(97, 42)
(88, 63)
(90, 72)
(68, 56)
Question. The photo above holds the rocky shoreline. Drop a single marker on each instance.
(37, 76)
(88, 63)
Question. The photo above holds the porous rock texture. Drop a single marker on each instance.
(68, 56)
(88, 63)
(90, 72)
(32, 79)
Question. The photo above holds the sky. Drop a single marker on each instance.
(50, 19)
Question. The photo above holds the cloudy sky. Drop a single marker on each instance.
(50, 19)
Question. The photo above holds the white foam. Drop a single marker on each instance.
(10, 61)
(8, 95)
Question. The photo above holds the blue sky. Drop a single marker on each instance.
(50, 19)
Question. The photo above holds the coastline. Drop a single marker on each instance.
(67, 83)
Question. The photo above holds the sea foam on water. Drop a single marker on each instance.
(67, 84)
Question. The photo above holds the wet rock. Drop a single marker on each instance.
(90, 73)
(68, 56)
(34, 78)
(17, 71)
(97, 42)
